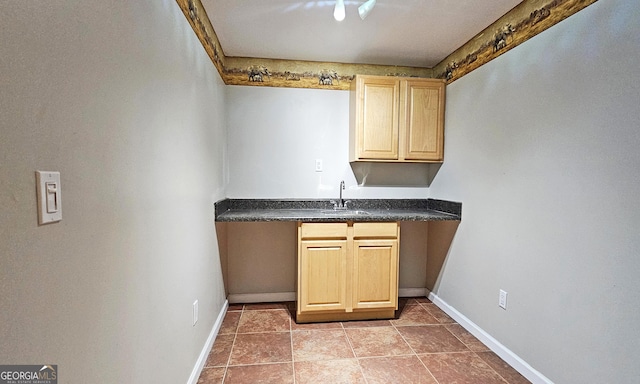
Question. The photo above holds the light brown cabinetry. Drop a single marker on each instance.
(322, 267)
(347, 271)
(396, 119)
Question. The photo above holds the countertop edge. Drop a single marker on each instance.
(320, 210)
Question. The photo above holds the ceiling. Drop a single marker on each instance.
(414, 33)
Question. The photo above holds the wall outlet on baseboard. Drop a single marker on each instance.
(195, 312)
(502, 299)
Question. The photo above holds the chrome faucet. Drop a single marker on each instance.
(340, 204)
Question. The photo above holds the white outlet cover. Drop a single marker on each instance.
(195, 312)
(502, 299)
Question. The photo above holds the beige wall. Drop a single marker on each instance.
(542, 147)
(262, 259)
(276, 135)
(121, 99)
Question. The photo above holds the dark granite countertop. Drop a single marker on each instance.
(238, 210)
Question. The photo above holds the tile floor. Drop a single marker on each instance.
(261, 343)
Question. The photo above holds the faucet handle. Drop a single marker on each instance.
(337, 206)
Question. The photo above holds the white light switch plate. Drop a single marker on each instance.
(49, 197)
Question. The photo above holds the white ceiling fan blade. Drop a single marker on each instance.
(365, 8)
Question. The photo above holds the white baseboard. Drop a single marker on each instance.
(505, 353)
(202, 359)
(261, 297)
(291, 296)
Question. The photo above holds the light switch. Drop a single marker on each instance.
(49, 197)
(52, 197)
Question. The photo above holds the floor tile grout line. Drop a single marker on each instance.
(254, 333)
(442, 321)
(355, 355)
(235, 336)
(426, 308)
(386, 356)
(475, 352)
(449, 353)
(293, 361)
(260, 364)
(489, 365)
(415, 353)
(258, 332)
(453, 322)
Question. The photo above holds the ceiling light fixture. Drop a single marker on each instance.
(365, 8)
(339, 12)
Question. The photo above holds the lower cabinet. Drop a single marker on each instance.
(347, 271)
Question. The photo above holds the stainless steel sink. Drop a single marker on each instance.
(345, 212)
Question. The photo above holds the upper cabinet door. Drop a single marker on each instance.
(423, 120)
(396, 119)
(376, 125)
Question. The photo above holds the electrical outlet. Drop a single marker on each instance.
(318, 165)
(195, 312)
(502, 299)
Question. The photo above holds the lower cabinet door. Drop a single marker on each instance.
(375, 274)
(322, 275)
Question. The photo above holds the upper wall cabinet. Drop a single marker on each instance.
(396, 119)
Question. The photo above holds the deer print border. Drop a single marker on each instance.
(523, 22)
